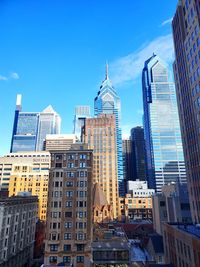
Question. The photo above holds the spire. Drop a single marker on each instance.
(107, 78)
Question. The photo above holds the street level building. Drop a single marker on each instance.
(26, 172)
(182, 244)
(17, 230)
(69, 212)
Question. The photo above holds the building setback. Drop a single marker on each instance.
(186, 33)
(69, 213)
(17, 230)
(164, 153)
(81, 113)
(100, 134)
(30, 128)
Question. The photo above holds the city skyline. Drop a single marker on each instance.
(36, 74)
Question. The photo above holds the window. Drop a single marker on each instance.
(68, 225)
(67, 247)
(68, 204)
(69, 193)
(69, 184)
(70, 174)
(80, 247)
(82, 164)
(58, 165)
(52, 259)
(70, 165)
(82, 156)
(162, 203)
(67, 236)
(68, 214)
(53, 247)
(80, 259)
(67, 259)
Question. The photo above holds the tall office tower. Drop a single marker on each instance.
(49, 123)
(81, 113)
(100, 134)
(30, 128)
(59, 141)
(127, 160)
(26, 172)
(164, 153)
(17, 229)
(69, 213)
(138, 153)
(108, 102)
(186, 33)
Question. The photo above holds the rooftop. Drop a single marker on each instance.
(190, 229)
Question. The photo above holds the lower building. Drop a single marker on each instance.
(135, 208)
(59, 141)
(26, 172)
(17, 230)
(182, 244)
(172, 205)
(110, 247)
(155, 248)
(69, 212)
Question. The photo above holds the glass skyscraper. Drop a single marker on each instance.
(81, 113)
(164, 152)
(30, 128)
(108, 102)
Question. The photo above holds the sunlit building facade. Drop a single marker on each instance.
(108, 102)
(164, 152)
(30, 128)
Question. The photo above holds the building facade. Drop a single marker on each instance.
(69, 213)
(59, 141)
(182, 244)
(100, 134)
(127, 160)
(164, 153)
(186, 33)
(138, 153)
(108, 102)
(26, 172)
(30, 128)
(17, 230)
(81, 113)
(172, 205)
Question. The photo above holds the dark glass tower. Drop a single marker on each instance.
(138, 153)
(164, 152)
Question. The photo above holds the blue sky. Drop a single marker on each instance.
(54, 52)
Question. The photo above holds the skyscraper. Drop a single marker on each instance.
(108, 102)
(186, 33)
(69, 212)
(100, 134)
(127, 159)
(30, 128)
(138, 153)
(164, 153)
(81, 113)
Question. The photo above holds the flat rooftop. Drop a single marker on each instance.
(190, 229)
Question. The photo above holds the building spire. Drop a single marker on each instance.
(107, 71)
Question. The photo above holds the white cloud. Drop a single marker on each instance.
(14, 75)
(129, 68)
(3, 78)
(167, 21)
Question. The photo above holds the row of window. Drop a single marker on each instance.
(66, 259)
(67, 247)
